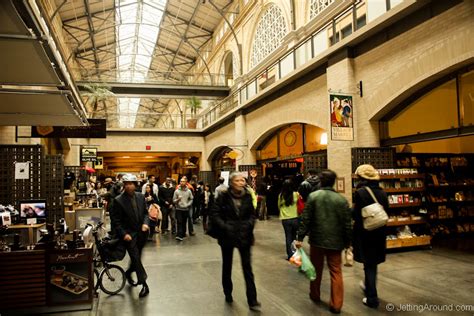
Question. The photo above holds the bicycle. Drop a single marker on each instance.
(109, 277)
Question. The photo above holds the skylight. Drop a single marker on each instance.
(137, 28)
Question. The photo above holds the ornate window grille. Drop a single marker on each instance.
(318, 6)
(269, 35)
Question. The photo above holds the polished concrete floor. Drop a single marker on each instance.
(184, 279)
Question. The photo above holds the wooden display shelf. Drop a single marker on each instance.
(398, 205)
(400, 190)
(398, 176)
(409, 242)
(407, 222)
(394, 190)
(452, 185)
(33, 229)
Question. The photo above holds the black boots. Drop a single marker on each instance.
(145, 291)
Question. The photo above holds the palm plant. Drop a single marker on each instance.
(194, 104)
(96, 93)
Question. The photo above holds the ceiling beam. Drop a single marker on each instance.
(170, 15)
(91, 34)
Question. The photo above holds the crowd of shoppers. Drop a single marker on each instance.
(230, 213)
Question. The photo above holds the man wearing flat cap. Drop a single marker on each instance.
(132, 225)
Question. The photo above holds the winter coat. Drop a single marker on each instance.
(165, 194)
(369, 246)
(235, 227)
(327, 219)
(309, 185)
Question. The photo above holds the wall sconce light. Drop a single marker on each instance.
(324, 139)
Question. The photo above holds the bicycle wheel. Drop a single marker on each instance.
(112, 279)
(96, 279)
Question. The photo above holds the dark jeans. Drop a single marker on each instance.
(245, 257)
(291, 228)
(167, 212)
(153, 226)
(182, 216)
(371, 284)
(134, 249)
(190, 221)
(196, 211)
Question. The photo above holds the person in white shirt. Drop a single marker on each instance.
(220, 188)
(151, 182)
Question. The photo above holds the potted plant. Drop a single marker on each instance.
(194, 104)
(96, 93)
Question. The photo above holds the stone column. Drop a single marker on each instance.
(342, 78)
(240, 140)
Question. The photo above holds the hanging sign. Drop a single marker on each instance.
(22, 170)
(88, 154)
(342, 125)
(99, 163)
(95, 129)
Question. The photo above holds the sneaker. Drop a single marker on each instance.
(366, 303)
(256, 307)
(179, 238)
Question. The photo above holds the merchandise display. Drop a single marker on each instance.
(407, 225)
(449, 191)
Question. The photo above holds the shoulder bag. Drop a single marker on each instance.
(374, 215)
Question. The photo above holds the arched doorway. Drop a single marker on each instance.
(223, 160)
(288, 152)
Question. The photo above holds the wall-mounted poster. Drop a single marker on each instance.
(342, 124)
(22, 170)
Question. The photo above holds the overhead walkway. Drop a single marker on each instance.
(161, 90)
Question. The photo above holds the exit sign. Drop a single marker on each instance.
(148, 147)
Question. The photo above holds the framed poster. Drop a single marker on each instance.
(340, 185)
(342, 124)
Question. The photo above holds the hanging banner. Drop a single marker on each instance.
(342, 124)
(22, 170)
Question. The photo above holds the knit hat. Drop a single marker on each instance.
(367, 172)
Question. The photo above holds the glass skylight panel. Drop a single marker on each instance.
(138, 25)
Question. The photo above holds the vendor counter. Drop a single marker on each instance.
(39, 281)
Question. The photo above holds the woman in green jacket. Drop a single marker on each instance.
(288, 213)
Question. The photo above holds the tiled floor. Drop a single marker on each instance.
(184, 279)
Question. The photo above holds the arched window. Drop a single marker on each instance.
(270, 32)
(318, 6)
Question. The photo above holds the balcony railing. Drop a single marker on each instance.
(337, 28)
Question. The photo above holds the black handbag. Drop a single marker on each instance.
(213, 230)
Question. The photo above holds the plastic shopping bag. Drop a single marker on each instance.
(306, 265)
(295, 259)
(348, 257)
